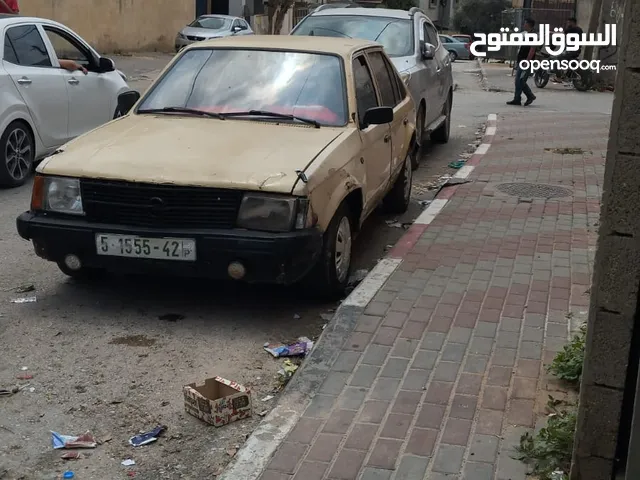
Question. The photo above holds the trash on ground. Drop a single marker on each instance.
(85, 440)
(71, 456)
(424, 203)
(296, 316)
(267, 398)
(148, 437)
(466, 155)
(358, 276)
(566, 151)
(217, 402)
(7, 392)
(24, 300)
(24, 377)
(24, 369)
(128, 462)
(457, 164)
(68, 474)
(26, 288)
(301, 347)
(393, 223)
(263, 413)
(287, 371)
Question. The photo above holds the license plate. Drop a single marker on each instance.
(141, 247)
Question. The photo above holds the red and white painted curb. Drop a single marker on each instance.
(368, 288)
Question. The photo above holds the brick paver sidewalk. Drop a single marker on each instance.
(444, 371)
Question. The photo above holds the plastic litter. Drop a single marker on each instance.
(267, 398)
(24, 300)
(301, 347)
(68, 474)
(71, 456)
(128, 462)
(457, 164)
(148, 437)
(24, 377)
(287, 371)
(26, 288)
(69, 441)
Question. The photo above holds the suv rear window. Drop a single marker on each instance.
(395, 34)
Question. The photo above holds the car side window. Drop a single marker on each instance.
(244, 24)
(398, 87)
(29, 49)
(431, 34)
(385, 82)
(9, 52)
(235, 24)
(365, 91)
(66, 48)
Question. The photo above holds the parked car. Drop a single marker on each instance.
(41, 105)
(467, 40)
(411, 41)
(263, 174)
(456, 49)
(206, 27)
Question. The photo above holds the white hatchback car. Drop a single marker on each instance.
(43, 106)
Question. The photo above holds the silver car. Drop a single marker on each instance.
(211, 26)
(457, 48)
(412, 43)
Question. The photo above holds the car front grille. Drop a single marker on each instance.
(159, 206)
(194, 39)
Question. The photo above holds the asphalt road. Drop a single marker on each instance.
(105, 358)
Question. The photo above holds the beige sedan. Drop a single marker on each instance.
(255, 158)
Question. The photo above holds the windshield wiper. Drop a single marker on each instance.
(193, 111)
(266, 113)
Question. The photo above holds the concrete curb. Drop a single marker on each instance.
(253, 457)
(483, 75)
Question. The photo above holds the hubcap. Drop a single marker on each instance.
(18, 154)
(407, 178)
(343, 249)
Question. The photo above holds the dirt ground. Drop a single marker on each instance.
(112, 357)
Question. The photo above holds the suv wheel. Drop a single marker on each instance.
(398, 198)
(331, 274)
(441, 135)
(17, 153)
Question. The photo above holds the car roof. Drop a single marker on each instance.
(8, 19)
(364, 12)
(209, 15)
(302, 43)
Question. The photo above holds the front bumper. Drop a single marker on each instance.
(281, 258)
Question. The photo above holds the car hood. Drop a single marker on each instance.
(204, 32)
(193, 151)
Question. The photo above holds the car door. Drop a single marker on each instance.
(430, 75)
(90, 96)
(386, 80)
(443, 69)
(376, 139)
(28, 63)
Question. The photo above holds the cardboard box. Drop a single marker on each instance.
(218, 401)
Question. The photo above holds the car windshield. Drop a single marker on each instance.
(310, 86)
(212, 23)
(395, 35)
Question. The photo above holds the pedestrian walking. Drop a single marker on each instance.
(525, 52)
(9, 6)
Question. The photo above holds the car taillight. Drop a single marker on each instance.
(467, 46)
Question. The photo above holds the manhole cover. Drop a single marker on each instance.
(533, 190)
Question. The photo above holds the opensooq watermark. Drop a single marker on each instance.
(555, 43)
(564, 64)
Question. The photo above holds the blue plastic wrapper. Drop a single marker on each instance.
(301, 347)
(68, 441)
(149, 437)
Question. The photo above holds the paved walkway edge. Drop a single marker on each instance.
(253, 457)
(483, 74)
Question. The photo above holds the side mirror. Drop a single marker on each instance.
(427, 51)
(237, 29)
(126, 101)
(106, 65)
(377, 116)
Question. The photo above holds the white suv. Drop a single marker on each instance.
(411, 41)
(43, 106)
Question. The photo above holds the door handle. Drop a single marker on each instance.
(24, 81)
(438, 70)
(387, 138)
(405, 121)
(73, 81)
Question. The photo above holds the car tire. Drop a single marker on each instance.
(398, 198)
(415, 159)
(17, 154)
(453, 55)
(84, 274)
(441, 134)
(330, 276)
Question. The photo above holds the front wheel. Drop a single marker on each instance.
(17, 154)
(453, 55)
(541, 78)
(330, 276)
(582, 80)
(441, 134)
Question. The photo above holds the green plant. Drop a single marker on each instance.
(567, 364)
(548, 452)
(479, 16)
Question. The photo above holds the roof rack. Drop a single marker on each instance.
(335, 5)
(414, 10)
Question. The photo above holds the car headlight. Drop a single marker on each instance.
(272, 213)
(181, 36)
(405, 77)
(57, 194)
